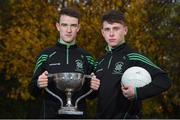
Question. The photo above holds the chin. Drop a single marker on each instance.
(68, 41)
(113, 45)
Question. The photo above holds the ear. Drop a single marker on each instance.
(125, 30)
(79, 26)
(57, 26)
(102, 32)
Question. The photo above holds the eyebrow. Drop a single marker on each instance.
(74, 24)
(112, 27)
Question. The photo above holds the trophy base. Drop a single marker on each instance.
(69, 111)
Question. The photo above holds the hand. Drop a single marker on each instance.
(43, 80)
(95, 83)
(128, 92)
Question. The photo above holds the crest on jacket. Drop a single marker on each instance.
(79, 65)
(118, 68)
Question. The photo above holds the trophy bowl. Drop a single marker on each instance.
(69, 82)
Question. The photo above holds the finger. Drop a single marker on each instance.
(95, 81)
(122, 85)
(125, 96)
(125, 87)
(94, 86)
(42, 83)
(130, 98)
(43, 78)
(124, 90)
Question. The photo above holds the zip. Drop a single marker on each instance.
(110, 61)
(67, 54)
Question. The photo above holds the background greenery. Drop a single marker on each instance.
(28, 26)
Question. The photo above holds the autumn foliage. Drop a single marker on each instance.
(28, 26)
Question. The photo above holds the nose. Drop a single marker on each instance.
(69, 29)
(111, 33)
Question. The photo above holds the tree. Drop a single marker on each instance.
(163, 17)
(28, 26)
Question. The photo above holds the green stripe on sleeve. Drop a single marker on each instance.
(42, 56)
(139, 57)
(40, 60)
(90, 60)
(95, 65)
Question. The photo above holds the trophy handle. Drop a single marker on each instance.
(89, 92)
(47, 90)
(88, 76)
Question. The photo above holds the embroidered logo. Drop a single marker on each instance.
(79, 66)
(118, 68)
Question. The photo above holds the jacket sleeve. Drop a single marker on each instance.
(94, 94)
(39, 69)
(160, 81)
(90, 68)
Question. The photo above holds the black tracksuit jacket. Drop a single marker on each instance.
(61, 58)
(109, 69)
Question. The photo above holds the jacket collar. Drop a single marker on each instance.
(118, 48)
(60, 44)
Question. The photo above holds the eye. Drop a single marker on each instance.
(106, 29)
(74, 25)
(116, 28)
(64, 25)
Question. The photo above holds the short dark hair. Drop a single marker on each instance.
(72, 12)
(113, 16)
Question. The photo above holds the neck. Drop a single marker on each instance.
(120, 43)
(66, 43)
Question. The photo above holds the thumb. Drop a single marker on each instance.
(92, 74)
(125, 87)
(45, 73)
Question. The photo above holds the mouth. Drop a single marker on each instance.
(68, 35)
(112, 40)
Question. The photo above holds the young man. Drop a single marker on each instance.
(114, 100)
(65, 56)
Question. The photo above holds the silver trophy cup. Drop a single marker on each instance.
(69, 82)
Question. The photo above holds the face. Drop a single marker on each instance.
(68, 27)
(113, 33)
